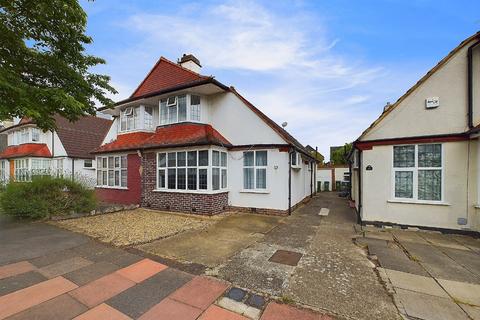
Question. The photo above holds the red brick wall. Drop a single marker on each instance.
(177, 201)
(134, 192)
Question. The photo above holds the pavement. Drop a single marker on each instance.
(50, 273)
(430, 275)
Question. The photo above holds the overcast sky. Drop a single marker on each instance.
(326, 67)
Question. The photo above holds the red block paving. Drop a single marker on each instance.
(15, 268)
(276, 311)
(200, 292)
(141, 270)
(102, 289)
(170, 309)
(26, 298)
(103, 312)
(217, 313)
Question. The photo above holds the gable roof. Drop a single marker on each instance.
(180, 134)
(26, 150)
(82, 136)
(272, 124)
(165, 74)
(420, 82)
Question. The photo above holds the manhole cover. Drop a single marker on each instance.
(289, 258)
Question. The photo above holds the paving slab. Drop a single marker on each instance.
(380, 235)
(462, 292)
(217, 313)
(64, 266)
(141, 270)
(54, 257)
(24, 299)
(102, 289)
(468, 259)
(470, 242)
(98, 252)
(441, 240)
(408, 236)
(20, 281)
(91, 272)
(171, 309)
(438, 264)
(59, 308)
(427, 307)
(101, 312)
(200, 292)
(276, 311)
(137, 300)
(415, 283)
(15, 269)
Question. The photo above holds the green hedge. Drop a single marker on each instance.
(46, 196)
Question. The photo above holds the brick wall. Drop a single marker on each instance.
(177, 201)
(132, 195)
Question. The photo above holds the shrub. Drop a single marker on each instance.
(46, 196)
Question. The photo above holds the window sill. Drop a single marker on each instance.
(435, 203)
(191, 191)
(135, 130)
(255, 191)
(88, 168)
(115, 188)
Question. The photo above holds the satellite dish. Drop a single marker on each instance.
(284, 124)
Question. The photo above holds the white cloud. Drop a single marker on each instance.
(294, 72)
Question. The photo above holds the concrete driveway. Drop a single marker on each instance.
(431, 275)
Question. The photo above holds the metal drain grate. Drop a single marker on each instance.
(288, 258)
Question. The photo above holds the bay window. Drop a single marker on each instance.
(418, 172)
(112, 171)
(21, 170)
(136, 118)
(255, 170)
(189, 170)
(174, 109)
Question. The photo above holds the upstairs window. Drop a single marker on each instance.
(148, 118)
(418, 172)
(195, 108)
(255, 170)
(35, 134)
(129, 119)
(173, 109)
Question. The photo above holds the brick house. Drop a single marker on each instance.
(186, 142)
(65, 151)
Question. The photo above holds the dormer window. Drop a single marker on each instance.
(174, 109)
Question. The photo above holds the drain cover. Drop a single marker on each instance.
(289, 258)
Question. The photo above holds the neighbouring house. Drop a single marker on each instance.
(418, 164)
(63, 152)
(186, 142)
(333, 177)
(3, 138)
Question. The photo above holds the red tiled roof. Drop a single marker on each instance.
(26, 150)
(165, 74)
(180, 134)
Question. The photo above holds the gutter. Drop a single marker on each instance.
(470, 83)
(359, 211)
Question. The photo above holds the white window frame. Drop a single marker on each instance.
(194, 109)
(415, 170)
(165, 118)
(3, 171)
(222, 169)
(105, 170)
(254, 167)
(295, 155)
(91, 166)
(198, 167)
(21, 169)
(35, 132)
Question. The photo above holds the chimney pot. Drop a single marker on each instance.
(190, 62)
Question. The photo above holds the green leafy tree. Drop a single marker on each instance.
(44, 69)
(339, 156)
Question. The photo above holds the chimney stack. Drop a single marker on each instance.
(190, 62)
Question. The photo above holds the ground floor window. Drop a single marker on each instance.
(418, 172)
(190, 170)
(3, 171)
(21, 170)
(255, 170)
(112, 171)
(41, 167)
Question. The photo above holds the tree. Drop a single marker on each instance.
(339, 156)
(44, 69)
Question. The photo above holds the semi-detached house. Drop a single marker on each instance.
(186, 142)
(64, 151)
(418, 164)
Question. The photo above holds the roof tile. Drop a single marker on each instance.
(26, 150)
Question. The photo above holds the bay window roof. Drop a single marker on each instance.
(181, 134)
(26, 150)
